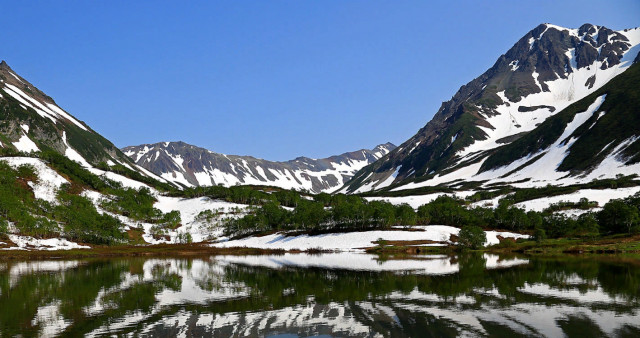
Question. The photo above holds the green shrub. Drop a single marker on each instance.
(82, 222)
(405, 215)
(4, 227)
(539, 235)
(472, 237)
(618, 217)
(184, 238)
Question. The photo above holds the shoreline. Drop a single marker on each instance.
(154, 250)
(568, 247)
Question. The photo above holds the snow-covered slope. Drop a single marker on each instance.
(545, 72)
(189, 165)
(597, 137)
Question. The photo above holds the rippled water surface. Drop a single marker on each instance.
(344, 294)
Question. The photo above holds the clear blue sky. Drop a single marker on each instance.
(272, 79)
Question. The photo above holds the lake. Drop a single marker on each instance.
(325, 295)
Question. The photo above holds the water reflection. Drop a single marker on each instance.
(345, 294)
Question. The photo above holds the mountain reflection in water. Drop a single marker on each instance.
(342, 294)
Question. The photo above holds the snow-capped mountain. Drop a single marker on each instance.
(499, 127)
(189, 165)
(31, 121)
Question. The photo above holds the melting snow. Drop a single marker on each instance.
(48, 179)
(355, 241)
(25, 144)
(27, 243)
(72, 154)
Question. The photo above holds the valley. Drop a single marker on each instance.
(539, 148)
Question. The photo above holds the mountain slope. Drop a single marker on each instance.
(31, 121)
(189, 165)
(547, 70)
(595, 137)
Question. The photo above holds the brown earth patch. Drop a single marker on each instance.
(415, 242)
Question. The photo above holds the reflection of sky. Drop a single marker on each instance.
(203, 284)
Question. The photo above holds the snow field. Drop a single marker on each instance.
(356, 241)
(189, 210)
(28, 242)
(602, 196)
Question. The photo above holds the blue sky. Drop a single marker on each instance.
(272, 79)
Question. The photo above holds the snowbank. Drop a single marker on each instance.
(27, 243)
(356, 241)
(602, 196)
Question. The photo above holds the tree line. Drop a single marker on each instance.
(334, 213)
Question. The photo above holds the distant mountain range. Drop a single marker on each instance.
(188, 165)
(556, 108)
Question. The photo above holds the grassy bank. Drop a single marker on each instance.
(159, 250)
(564, 246)
(608, 245)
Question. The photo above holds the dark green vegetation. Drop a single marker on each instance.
(73, 216)
(244, 194)
(137, 297)
(18, 206)
(472, 237)
(335, 213)
(325, 213)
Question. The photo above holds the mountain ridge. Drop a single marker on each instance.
(190, 165)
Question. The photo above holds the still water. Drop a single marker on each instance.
(343, 295)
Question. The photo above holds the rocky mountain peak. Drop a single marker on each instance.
(546, 70)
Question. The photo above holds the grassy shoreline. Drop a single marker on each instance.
(159, 250)
(609, 245)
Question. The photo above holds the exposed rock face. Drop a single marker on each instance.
(544, 72)
(189, 165)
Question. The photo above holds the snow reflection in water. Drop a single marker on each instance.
(342, 294)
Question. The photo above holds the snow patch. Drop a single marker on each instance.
(355, 241)
(25, 144)
(31, 243)
(48, 179)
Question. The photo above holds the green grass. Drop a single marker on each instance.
(159, 250)
(605, 245)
